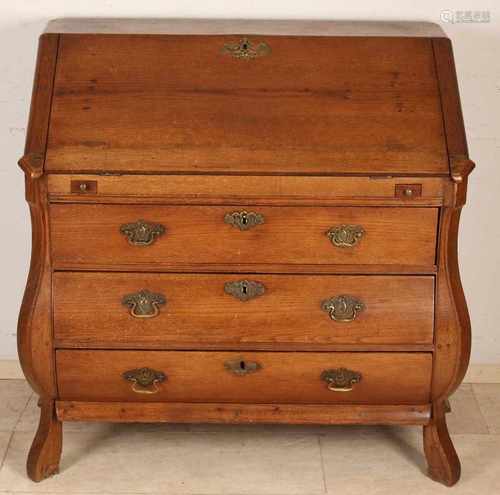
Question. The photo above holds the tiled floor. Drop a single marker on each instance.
(251, 460)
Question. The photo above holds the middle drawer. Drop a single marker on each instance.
(136, 310)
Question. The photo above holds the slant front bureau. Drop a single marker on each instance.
(245, 222)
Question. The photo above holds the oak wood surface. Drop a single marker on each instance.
(452, 326)
(90, 234)
(278, 268)
(321, 131)
(230, 189)
(45, 452)
(88, 311)
(34, 330)
(442, 459)
(327, 104)
(94, 375)
(331, 414)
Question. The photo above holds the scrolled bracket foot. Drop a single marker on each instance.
(442, 459)
(45, 452)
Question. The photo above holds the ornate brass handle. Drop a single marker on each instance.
(242, 367)
(244, 220)
(246, 49)
(345, 235)
(340, 379)
(142, 233)
(144, 304)
(342, 308)
(244, 290)
(143, 379)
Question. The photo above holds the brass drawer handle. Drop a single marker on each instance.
(244, 220)
(246, 49)
(242, 367)
(145, 380)
(244, 290)
(340, 379)
(345, 235)
(142, 233)
(144, 304)
(342, 308)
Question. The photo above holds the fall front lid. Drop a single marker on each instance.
(257, 104)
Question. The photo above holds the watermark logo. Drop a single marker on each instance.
(465, 16)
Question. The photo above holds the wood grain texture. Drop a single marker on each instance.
(460, 164)
(45, 452)
(34, 335)
(90, 234)
(255, 190)
(88, 311)
(92, 375)
(328, 104)
(452, 324)
(162, 412)
(442, 459)
(452, 327)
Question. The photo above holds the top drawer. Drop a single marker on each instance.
(107, 235)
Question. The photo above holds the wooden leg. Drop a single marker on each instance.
(442, 459)
(447, 406)
(45, 452)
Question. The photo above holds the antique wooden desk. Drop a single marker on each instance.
(245, 222)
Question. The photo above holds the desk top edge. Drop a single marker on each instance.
(244, 26)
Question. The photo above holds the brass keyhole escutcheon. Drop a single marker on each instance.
(244, 220)
(242, 367)
(246, 49)
(244, 290)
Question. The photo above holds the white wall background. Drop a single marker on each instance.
(477, 52)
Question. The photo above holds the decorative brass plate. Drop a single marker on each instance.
(242, 367)
(142, 233)
(345, 235)
(246, 49)
(243, 220)
(144, 304)
(340, 379)
(342, 308)
(143, 379)
(244, 289)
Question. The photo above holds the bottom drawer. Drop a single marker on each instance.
(249, 377)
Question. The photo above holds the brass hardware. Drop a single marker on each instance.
(143, 379)
(83, 186)
(342, 308)
(144, 304)
(242, 367)
(246, 49)
(243, 220)
(345, 235)
(340, 379)
(408, 191)
(244, 289)
(142, 233)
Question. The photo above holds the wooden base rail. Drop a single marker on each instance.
(129, 412)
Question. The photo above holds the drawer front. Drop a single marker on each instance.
(250, 377)
(186, 235)
(158, 310)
